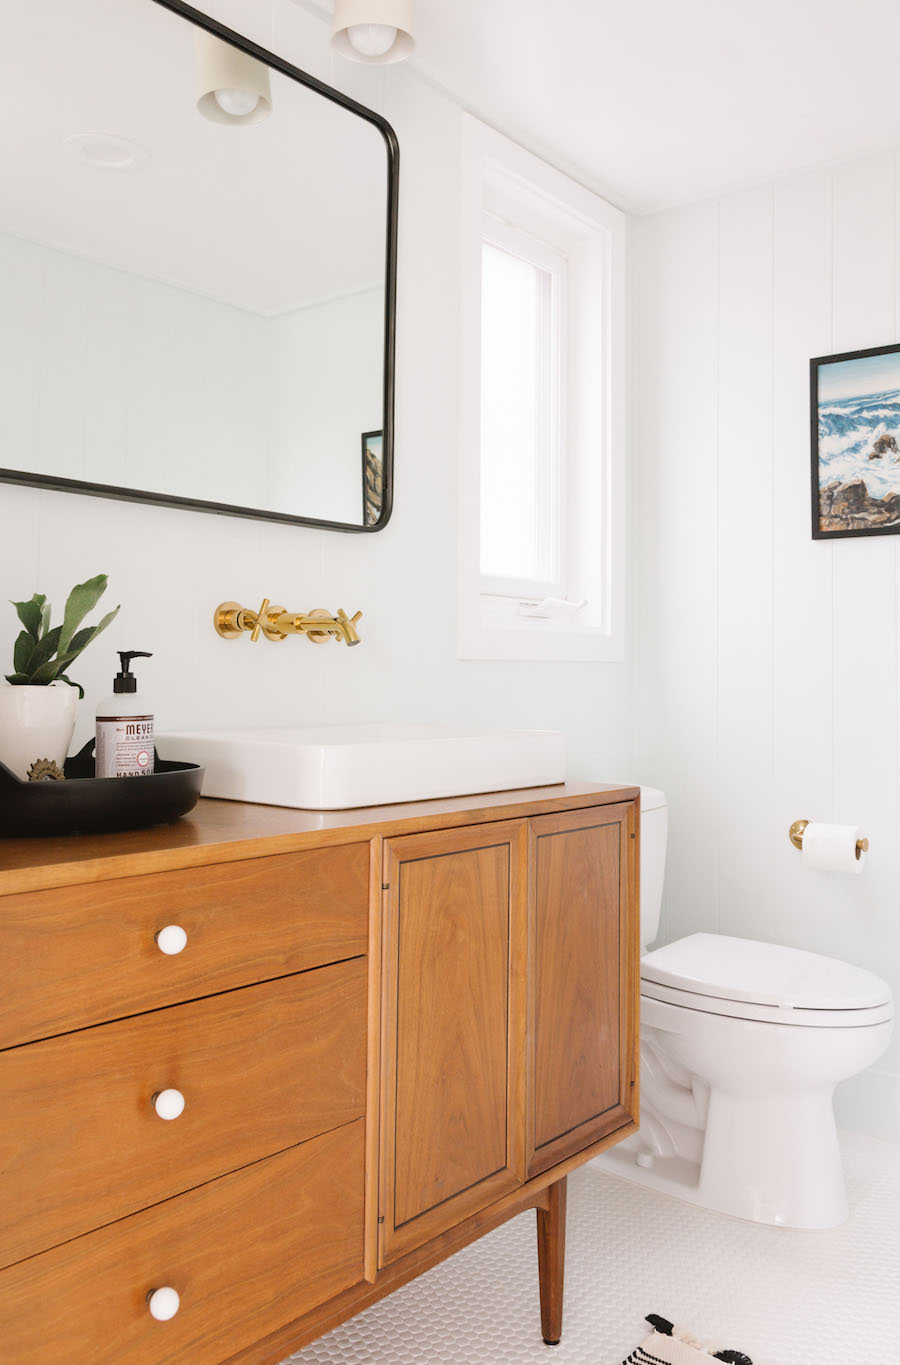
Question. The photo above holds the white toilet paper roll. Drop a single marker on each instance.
(832, 848)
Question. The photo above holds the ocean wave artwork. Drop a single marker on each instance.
(857, 454)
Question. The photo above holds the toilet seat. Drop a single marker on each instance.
(783, 1016)
(743, 978)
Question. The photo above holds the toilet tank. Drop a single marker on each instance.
(654, 826)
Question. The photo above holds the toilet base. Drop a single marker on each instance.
(737, 1116)
(807, 1194)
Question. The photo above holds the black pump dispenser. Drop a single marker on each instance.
(126, 681)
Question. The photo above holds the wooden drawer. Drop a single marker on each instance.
(246, 1253)
(85, 954)
(261, 1069)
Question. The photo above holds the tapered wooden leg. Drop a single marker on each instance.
(551, 1241)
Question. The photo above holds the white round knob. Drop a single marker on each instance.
(171, 940)
(168, 1104)
(163, 1303)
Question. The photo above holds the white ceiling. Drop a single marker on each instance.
(266, 218)
(670, 100)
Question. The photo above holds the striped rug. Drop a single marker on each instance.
(669, 1345)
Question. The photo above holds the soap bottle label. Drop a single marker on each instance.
(124, 746)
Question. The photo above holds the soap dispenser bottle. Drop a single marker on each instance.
(125, 726)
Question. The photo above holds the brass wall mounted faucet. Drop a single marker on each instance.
(231, 620)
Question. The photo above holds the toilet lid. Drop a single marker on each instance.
(763, 974)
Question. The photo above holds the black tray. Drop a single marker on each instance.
(85, 804)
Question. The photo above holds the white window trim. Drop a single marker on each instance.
(488, 626)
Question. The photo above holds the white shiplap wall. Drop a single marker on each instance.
(767, 663)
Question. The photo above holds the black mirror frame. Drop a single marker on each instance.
(100, 490)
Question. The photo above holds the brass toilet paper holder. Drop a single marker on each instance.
(795, 834)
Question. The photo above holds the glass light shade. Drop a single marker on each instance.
(232, 87)
(372, 40)
(373, 31)
(236, 103)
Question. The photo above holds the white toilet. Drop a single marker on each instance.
(742, 1044)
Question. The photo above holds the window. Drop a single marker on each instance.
(522, 297)
(542, 498)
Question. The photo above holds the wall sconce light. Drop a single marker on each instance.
(373, 31)
(232, 87)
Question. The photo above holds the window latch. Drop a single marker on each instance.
(551, 607)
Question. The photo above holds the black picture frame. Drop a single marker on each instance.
(372, 443)
(855, 443)
(100, 490)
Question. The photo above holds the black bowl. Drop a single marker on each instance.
(85, 804)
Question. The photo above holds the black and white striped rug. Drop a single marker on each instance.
(669, 1345)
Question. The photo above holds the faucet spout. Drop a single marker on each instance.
(348, 626)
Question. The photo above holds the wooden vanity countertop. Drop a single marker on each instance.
(226, 831)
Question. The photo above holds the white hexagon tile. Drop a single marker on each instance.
(783, 1297)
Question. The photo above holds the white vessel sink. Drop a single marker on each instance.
(333, 767)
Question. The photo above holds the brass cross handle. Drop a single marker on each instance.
(231, 620)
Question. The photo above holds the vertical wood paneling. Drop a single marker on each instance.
(865, 602)
(676, 402)
(744, 539)
(802, 609)
(801, 653)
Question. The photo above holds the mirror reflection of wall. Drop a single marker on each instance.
(191, 308)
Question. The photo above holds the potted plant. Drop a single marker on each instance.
(37, 718)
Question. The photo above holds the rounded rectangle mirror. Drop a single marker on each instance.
(198, 263)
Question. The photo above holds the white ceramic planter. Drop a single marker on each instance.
(35, 722)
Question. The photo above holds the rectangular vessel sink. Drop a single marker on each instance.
(334, 767)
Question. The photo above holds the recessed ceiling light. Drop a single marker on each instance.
(107, 151)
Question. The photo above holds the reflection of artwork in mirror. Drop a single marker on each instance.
(373, 477)
(195, 312)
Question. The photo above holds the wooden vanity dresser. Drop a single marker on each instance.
(364, 1039)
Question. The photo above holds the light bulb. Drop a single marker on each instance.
(236, 103)
(372, 40)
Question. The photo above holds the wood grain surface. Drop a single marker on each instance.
(84, 954)
(246, 1253)
(452, 1126)
(227, 831)
(261, 1069)
(580, 923)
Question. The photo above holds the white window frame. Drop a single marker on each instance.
(507, 183)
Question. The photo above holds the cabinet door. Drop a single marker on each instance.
(453, 1049)
(582, 958)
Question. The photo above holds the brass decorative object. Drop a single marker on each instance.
(795, 834)
(231, 620)
(45, 770)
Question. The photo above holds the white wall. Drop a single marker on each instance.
(171, 568)
(327, 393)
(767, 663)
(115, 378)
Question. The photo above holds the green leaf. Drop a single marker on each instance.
(18, 678)
(22, 652)
(45, 614)
(84, 637)
(82, 599)
(63, 678)
(44, 649)
(29, 613)
(50, 671)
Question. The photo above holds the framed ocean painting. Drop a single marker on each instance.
(855, 430)
(372, 476)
